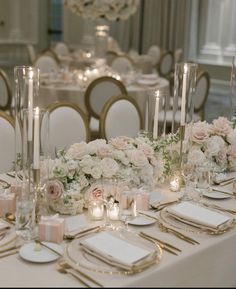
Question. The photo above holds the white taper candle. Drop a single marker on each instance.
(30, 106)
(183, 100)
(36, 153)
(156, 115)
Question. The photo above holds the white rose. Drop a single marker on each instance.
(138, 158)
(77, 151)
(86, 161)
(109, 167)
(214, 145)
(96, 172)
(94, 145)
(196, 157)
(83, 181)
(104, 151)
(146, 149)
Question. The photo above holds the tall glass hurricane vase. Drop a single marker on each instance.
(183, 109)
(25, 95)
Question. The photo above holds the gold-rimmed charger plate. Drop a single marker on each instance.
(168, 219)
(76, 256)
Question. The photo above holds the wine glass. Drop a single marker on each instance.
(127, 206)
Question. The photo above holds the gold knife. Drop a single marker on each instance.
(160, 244)
(160, 241)
(176, 233)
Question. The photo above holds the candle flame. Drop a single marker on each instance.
(157, 93)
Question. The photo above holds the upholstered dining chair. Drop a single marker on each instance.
(165, 64)
(110, 56)
(120, 116)
(46, 63)
(7, 142)
(122, 64)
(200, 98)
(155, 53)
(68, 124)
(97, 94)
(5, 93)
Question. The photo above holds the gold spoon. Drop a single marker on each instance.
(64, 270)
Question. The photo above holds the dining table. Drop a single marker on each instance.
(208, 262)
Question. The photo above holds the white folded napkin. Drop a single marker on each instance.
(78, 226)
(116, 251)
(199, 216)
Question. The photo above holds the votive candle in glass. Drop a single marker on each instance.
(113, 212)
(96, 209)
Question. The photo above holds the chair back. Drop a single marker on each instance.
(110, 56)
(31, 52)
(61, 49)
(5, 92)
(99, 91)
(178, 55)
(166, 64)
(68, 124)
(122, 64)
(46, 63)
(202, 91)
(7, 142)
(120, 116)
(155, 53)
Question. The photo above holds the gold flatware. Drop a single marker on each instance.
(63, 270)
(13, 175)
(223, 192)
(9, 253)
(89, 230)
(5, 184)
(49, 248)
(178, 234)
(163, 242)
(226, 182)
(219, 208)
(10, 248)
(170, 230)
(66, 265)
(163, 247)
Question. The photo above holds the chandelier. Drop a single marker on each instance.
(108, 9)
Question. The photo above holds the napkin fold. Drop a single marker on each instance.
(116, 251)
(78, 226)
(199, 216)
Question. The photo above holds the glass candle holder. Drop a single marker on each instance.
(142, 200)
(175, 182)
(113, 212)
(96, 209)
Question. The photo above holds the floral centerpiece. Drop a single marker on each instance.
(214, 143)
(108, 9)
(80, 171)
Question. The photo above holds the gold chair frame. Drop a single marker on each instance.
(7, 117)
(6, 107)
(91, 86)
(83, 115)
(199, 76)
(107, 107)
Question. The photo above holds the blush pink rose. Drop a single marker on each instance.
(200, 132)
(54, 189)
(121, 143)
(221, 126)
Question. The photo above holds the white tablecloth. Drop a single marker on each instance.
(210, 264)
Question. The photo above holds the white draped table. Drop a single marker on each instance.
(210, 264)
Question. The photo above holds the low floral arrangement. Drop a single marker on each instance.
(214, 143)
(108, 9)
(81, 170)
